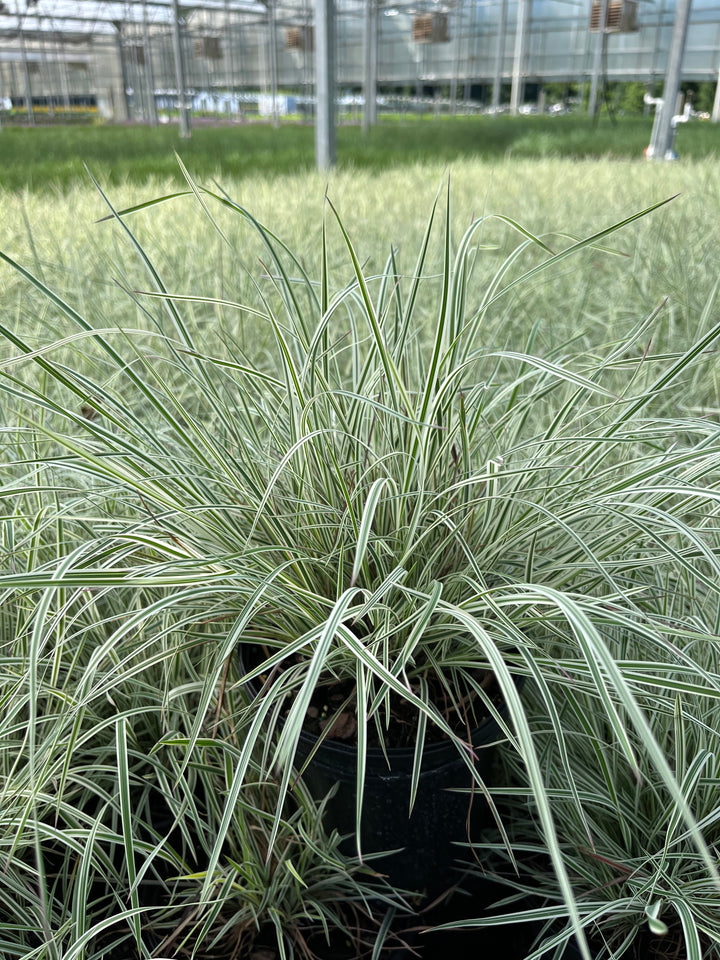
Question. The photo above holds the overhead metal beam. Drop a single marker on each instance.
(106, 15)
(36, 31)
(114, 8)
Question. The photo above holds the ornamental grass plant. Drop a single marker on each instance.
(108, 819)
(344, 474)
(642, 889)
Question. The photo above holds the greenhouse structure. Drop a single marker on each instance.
(149, 60)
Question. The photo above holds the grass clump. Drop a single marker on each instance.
(639, 886)
(108, 817)
(345, 470)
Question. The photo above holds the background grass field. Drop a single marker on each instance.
(44, 159)
(672, 254)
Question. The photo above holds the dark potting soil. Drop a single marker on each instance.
(332, 712)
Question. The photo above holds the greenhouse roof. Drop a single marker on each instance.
(97, 16)
(100, 16)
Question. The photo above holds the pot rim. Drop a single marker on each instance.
(485, 734)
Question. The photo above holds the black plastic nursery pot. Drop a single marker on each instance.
(448, 808)
(440, 818)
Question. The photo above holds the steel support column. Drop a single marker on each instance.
(231, 52)
(521, 31)
(26, 75)
(662, 139)
(598, 58)
(49, 78)
(124, 102)
(499, 55)
(179, 57)
(370, 47)
(272, 43)
(63, 67)
(325, 83)
(457, 20)
(148, 69)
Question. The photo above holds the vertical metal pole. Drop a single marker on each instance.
(26, 74)
(325, 83)
(6, 88)
(204, 64)
(272, 40)
(47, 81)
(598, 54)
(63, 67)
(662, 139)
(716, 102)
(262, 57)
(656, 44)
(499, 55)
(370, 65)
(456, 58)
(471, 53)
(133, 73)
(231, 52)
(179, 56)
(308, 58)
(516, 92)
(149, 74)
(374, 42)
(14, 86)
(124, 105)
